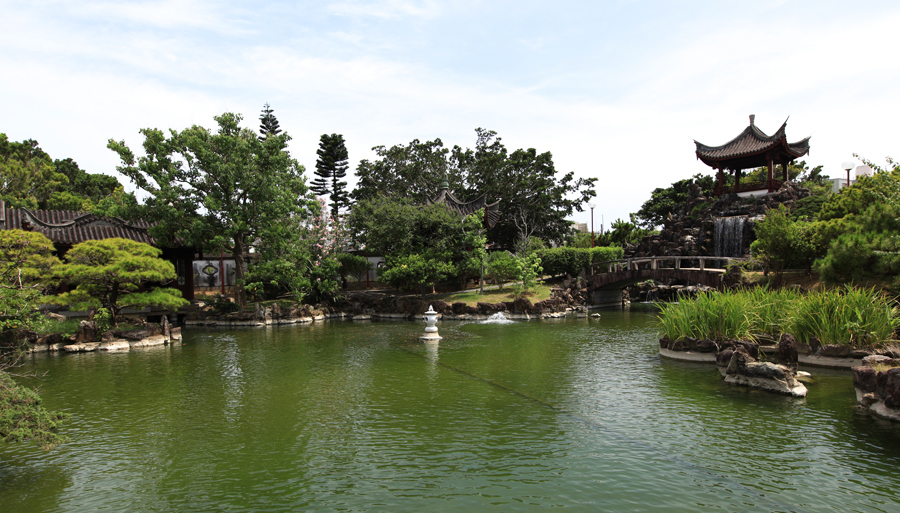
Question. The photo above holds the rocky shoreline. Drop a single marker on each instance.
(567, 299)
(86, 340)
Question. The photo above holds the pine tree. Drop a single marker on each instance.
(331, 166)
(268, 123)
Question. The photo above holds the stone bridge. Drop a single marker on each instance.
(607, 279)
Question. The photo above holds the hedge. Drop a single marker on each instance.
(558, 261)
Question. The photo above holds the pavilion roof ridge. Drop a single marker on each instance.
(751, 130)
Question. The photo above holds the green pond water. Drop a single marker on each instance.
(579, 414)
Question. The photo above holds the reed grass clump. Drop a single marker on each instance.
(854, 316)
(850, 316)
(707, 316)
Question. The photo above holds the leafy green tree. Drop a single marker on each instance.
(411, 172)
(529, 269)
(534, 201)
(774, 242)
(407, 272)
(623, 232)
(26, 261)
(397, 228)
(93, 187)
(354, 265)
(27, 175)
(670, 200)
(23, 416)
(304, 264)
(868, 249)
(29, 178)
(111, 272)
(881, 187)
(502, 267)
(331, 167)
(227, 189)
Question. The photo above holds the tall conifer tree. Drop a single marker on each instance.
(331, 167)
(268, 123)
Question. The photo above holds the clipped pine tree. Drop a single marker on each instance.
(268, 123)
(110, 272)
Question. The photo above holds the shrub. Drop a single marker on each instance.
(502, 267)
(409, 272)
(571, 261)
(354, 265)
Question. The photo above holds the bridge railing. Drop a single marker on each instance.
(703, 263)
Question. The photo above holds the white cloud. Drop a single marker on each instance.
(387, 8)
(629, 121)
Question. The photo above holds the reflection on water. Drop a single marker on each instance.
(579, 413)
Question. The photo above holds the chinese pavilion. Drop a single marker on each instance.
(491, 210)
(752, 149)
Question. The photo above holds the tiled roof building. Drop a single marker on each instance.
(65, 228)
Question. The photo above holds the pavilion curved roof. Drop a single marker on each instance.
(491, 210)
(752, 148)
(71, 227)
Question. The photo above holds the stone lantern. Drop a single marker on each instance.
(431, 332)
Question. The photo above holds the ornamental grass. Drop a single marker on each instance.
(850, 316)
(708, 315)
(854, 316)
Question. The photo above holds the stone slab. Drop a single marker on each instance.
(688, 356)
(115, 345)
(155, 340)
(828, 362)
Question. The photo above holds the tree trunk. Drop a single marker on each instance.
(113, 305)
(240, 297)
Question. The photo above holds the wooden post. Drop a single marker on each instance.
(771, 171)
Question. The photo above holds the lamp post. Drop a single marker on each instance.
(591, 205)
(847, 166)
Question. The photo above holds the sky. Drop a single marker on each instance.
(616, 90)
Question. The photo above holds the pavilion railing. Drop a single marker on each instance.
(767, 185)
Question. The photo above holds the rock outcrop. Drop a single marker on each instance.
(877, 384)
(691, 231)
(740, 368)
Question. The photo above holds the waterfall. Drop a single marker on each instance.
(729, 236)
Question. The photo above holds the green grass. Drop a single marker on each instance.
(472, 297)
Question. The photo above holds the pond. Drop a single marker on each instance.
(342, 416)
